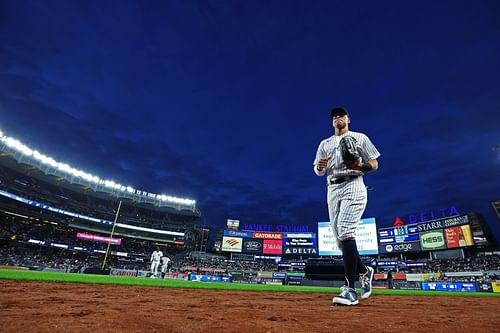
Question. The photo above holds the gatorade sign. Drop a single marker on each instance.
(432, 240)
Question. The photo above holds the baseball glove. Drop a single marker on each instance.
(350, 153)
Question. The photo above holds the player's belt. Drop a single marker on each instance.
(342, 179)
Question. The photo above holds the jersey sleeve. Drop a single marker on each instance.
(368, 150)
(320, 153)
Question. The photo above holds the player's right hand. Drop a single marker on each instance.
(322, 163)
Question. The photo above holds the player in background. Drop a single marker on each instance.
(155, 262)
(165, 262)
(347, 198)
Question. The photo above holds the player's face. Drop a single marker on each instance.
(340, 121)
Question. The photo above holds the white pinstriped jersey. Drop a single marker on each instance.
(331, 147)
(156, 255)
(165, 260)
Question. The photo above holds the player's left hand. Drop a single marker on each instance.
(355, 166)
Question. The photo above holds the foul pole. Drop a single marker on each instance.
(111, 236)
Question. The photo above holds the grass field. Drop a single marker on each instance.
(13, 274)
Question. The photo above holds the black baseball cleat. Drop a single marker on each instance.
(347, 296)
(366, 282)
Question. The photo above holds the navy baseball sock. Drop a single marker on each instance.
(350, 256)
(361, 267)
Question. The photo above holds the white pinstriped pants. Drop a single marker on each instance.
(154, 266)
(346, 204)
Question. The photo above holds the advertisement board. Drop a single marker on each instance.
(459, 236)
(294, 279)
(432, 240)
(406, 285)
(300, 244)
(272, 246)
(123, 272)
(279, 275)
(300, 251)
(399, 239)
(447, 233)
(252, 246)
(268, 235)
(102, 239)
(443, 223)
(484, 287)
(237, 233)
(233, 224)
(449, 286)
(366, 238)
(232, 244)
(299, 239)
(399, 247)
(208, 278)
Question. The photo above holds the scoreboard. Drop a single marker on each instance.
(440, 234)
(399, 239)
(393, 235)
(366, 238)
(301, 244)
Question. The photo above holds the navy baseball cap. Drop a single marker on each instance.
(339, 111)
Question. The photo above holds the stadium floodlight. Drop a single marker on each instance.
(65, 167)
(16, 145)
(37, 155)
(73, 172)
(13, 143)
(44, 159)
(169, 198)
(109, 183)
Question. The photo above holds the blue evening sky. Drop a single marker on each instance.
(225, 102)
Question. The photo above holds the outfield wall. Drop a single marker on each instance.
(381, 281)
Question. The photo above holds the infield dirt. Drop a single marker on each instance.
(71, 307)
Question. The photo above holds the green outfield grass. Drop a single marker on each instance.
(25, 275)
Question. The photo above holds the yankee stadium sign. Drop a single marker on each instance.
(275, 227)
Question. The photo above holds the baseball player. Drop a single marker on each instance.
(155, 262)
(165, 261)
(347, 198)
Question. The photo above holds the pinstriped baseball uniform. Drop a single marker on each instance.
(347, 199)
(155, 262)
